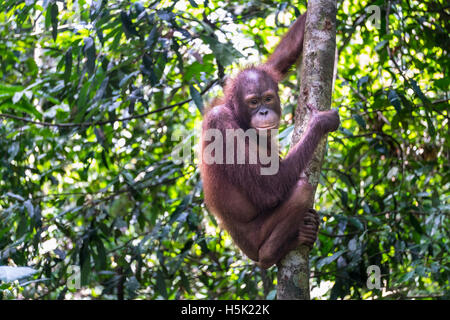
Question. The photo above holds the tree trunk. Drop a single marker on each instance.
(316, 74)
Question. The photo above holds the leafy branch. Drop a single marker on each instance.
(103, 122)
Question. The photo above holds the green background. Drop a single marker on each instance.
(92, 94)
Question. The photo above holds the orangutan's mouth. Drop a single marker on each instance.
(268, 127)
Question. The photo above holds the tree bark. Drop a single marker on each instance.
(316, 74)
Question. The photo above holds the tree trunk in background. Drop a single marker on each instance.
(315, 88)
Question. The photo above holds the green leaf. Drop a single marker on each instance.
(352, 245)
(419, 92)
(23, 106)
(82, 104)
(166, 15)
(9, 89)
(373, 219)
(17, 97)
(406, 277)
(68, 68)
(132, 285)
(29, 207)
(13, 150)
(443, 83)
(152, 38)
(381, 45)
(159, 98)
(415, 223)
(360, 120)
(327, 260)
(101, 90)
(272, 295)
(85, 262)
(393, 172)
(193, 3)
(430, 126)
(296, 11)
(15, 196)
(128, 177)
(180, 208)
(10, 274)
(195, 70)
(355, 221)
(161, 284)
(147, 68)
(225, 53)
(197, 98)
(104, 159)
(394, 99)
(100, 261)
(22, 227)
(54, 20)
(185, 282)
(139, 8)
(344, 197)
(89, 52)
(125, 80)
(362, 81)
(128, 26)
(160, 65)
(48, 17)
(426, 102)
(286, 135)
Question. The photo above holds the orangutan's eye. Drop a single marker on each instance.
(253, 103)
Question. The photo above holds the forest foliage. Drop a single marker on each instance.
(95, 95)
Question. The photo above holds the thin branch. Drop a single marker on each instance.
(103, 122)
